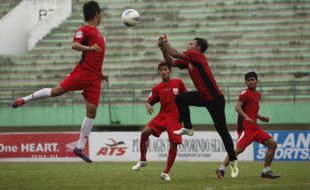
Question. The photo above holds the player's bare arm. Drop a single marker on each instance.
(263, 118)
(168, 59)
(165, 45)
(79, 47)
(239, 110)
(173, 52)
(149, 108)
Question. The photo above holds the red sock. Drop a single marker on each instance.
(171, 158)
(144, 141)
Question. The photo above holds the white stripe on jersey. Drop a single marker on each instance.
(241, 136)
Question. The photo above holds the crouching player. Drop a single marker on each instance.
(166, 120)
(248, 130)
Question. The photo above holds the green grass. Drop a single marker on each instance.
(112, 175)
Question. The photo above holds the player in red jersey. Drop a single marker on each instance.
(86, 76)
(166, 120)
(248, 130)
(208, 94)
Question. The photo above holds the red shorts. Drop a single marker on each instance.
(160, 124)
(82, 79)
(246, 137)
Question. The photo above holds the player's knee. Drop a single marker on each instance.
(92, 116)
(219, 126)
(145, 135)
(173, 145)
(146, 131)
(57, 91)
(54, 92)
(273, 145)
(91, 113)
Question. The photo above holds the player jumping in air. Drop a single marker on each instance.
(86, 76)
(166, 120)
(208, 94)
(248, 130)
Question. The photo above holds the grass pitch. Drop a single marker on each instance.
(112, 175)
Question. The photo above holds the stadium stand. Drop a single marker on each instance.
(7, 5)
(271, 37)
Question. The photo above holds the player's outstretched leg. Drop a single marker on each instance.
(85, 130)
(144, 140)
(272, 146)
(217, 112)
(86, 127)
(43, 93)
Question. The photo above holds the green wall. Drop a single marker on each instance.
(289, 113)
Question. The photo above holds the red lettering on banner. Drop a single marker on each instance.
(102, 151)
(118, 151)
(112, 150)
(121, 151)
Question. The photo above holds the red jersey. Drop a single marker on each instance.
(165, 93)
(200, 73)
(251, 101)
(91, 60)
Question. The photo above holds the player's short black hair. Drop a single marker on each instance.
(202, 43)
(161, 64)
(250, 74)
(90, 9)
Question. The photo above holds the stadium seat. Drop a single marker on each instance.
(269, 36)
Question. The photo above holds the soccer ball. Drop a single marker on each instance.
(130, 17)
